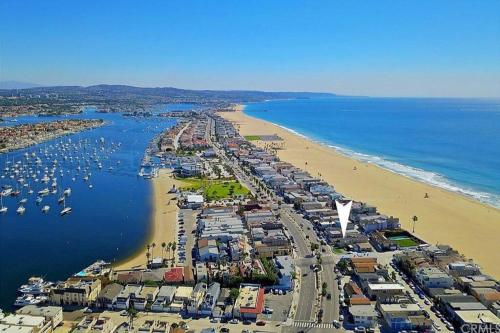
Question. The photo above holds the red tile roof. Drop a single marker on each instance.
(175, 274)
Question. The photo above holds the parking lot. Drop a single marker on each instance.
(280, 305)
(186, 226)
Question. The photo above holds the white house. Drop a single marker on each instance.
(433, 277)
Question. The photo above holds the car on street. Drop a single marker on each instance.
(233, 321)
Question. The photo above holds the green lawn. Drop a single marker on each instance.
(336, 250)
(215, 189)
(252, 137)
(405, 242)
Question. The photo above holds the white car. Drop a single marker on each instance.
(268, 310)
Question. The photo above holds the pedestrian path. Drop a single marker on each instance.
(311, 324)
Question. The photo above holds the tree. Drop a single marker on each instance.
(169, 246)
(414, 219)
(174, 246)
(152, 249)
(163, 245)
(147, 257)
(132, 313)
(234, 293)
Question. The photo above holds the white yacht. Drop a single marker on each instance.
(6, 192)
(66, 210)
(67, 192)
(45, 191)
(45, 209)
(20, 210)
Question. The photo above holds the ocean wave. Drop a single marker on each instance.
(427, 177)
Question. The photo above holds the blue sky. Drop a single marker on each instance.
(376, 48)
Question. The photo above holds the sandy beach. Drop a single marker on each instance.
(164, 220)
(445, 217)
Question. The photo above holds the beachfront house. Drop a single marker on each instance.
(131, 291)
(165, 296)
(433, 277)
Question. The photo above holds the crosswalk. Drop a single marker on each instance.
(311, 324)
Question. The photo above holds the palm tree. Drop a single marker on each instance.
(147, 257)
(163, 244)
(132, 313)
(152, 248)
(169, 246)
(174, 246)
(414, 219)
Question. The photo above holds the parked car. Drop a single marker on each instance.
(233, 321)
(260, 323)
(268, 310)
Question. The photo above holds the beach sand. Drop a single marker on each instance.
(445, 217)
(164, 220)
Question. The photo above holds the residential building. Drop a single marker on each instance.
(76, 291)
(131, 291)
(145, 295)
(196, 298)
(52, 314)
(363, 315)
(286, 269)
(210, 300)
(399, 317)
(384, 291)
(165, 296)
(95, 325)
(433, 277)
(108, 295)
(37, 324)
(250, 301)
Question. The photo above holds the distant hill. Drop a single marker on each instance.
(17, 85)
(124, 91)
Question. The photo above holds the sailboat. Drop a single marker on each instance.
(45, 209)
(3, 209)
(66, 210)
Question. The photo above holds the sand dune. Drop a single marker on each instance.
(444, 217)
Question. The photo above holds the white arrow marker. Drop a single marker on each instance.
(343, 211)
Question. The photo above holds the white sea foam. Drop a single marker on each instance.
(421, 175)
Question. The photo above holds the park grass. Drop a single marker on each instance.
(252, 137)
(215, 189)
(407, 242)
(337, 250)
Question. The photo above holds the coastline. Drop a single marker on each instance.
(475, 225)
(162, 221)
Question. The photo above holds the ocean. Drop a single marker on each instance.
(449, 143)
(110, 221)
